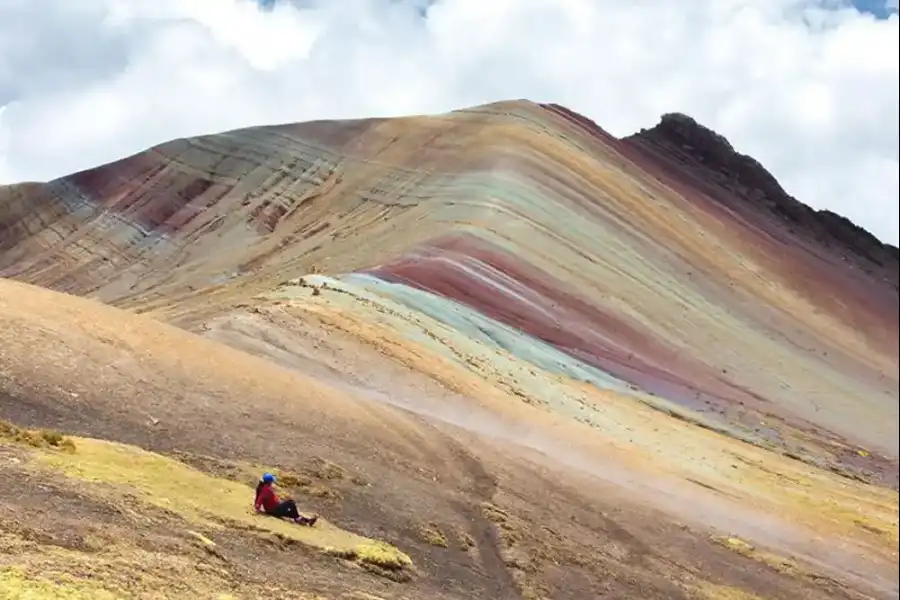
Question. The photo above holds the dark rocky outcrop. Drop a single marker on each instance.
(683, 147)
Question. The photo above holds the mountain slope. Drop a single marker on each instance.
(522, 215)
(530, 505)
(513, 272)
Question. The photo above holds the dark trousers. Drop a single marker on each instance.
(287, 508)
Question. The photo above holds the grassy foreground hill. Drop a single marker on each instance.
(502, 354)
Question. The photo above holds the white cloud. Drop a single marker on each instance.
(811, 92)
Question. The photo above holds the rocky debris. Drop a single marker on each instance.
(688, 145)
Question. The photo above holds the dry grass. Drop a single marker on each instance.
(378, 555)
(199, 497)
(735, 544)
(463, 539)
(382, 555)
(120, 570)
(494, 513)
(710, 591)
(431, 534)
(36, 438)
(782, 564)
(18, 584)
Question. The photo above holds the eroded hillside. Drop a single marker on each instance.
(548, 363)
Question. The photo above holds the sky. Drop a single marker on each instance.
(810, 88)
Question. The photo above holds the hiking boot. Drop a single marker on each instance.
(309, 521)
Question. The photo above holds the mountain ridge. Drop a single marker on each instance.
(678, 139)
(676, 133)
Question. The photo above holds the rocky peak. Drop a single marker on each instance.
(742, 182)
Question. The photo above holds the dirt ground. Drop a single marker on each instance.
(480, 515)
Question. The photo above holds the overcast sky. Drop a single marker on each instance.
(811, 88)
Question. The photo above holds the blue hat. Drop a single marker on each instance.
(268, 478)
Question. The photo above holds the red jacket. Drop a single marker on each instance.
(266, 497)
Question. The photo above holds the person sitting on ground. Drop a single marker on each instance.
(267, 502)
